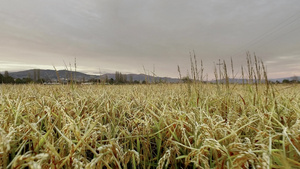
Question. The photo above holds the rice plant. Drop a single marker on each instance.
(150, 126)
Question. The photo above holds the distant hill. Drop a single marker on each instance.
(51, 75)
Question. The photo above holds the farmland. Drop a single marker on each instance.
(191, 125)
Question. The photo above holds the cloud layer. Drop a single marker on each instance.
(126, 35)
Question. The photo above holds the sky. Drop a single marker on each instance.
(138, 36)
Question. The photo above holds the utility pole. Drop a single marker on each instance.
(220, 68)
(75, 65)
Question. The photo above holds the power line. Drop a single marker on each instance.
(271, 31)
(277, 37)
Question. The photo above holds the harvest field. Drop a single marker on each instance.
(190, 125)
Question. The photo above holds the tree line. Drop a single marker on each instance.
(119, 79)
(7, 79)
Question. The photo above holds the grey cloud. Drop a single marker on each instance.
(125, 35)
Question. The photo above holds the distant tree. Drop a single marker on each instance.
(106, 79)
(41, 81)
(38, 74)
(162, 80)
(120, 78)
(29, 75)
(27, 80)
(34, 75)
(93, 80)
(295, 79)
(1, 78)
(7, 78)
(285, 81)
(20, 81)
(6, 74)
(111, 81)
(186, 79)
(271, 82)
(124, 78)
(130, 79)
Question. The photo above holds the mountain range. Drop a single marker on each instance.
(51, 75)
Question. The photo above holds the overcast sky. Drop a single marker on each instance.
(125, 35)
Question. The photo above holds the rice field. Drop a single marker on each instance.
(160, 126)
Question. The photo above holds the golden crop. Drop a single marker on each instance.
(150, 126)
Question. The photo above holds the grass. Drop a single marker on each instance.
(150, 126)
